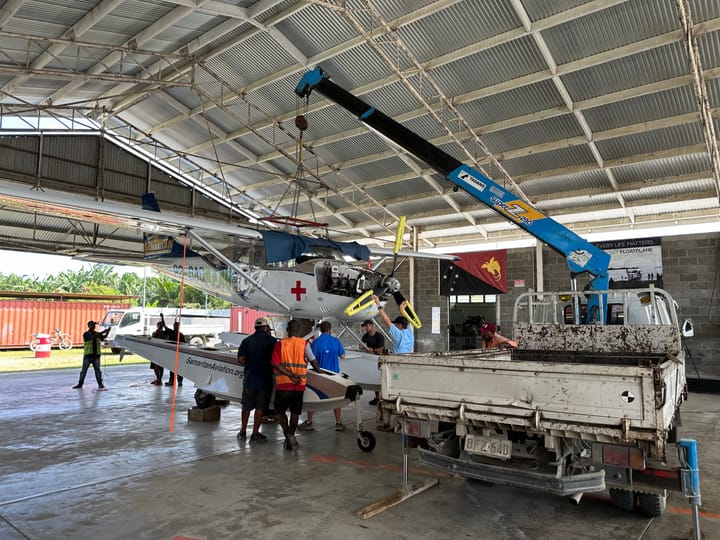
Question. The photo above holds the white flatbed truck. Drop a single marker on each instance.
(576, 408)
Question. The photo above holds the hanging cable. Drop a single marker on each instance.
(177, 335)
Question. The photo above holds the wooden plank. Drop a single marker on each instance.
(396, 498)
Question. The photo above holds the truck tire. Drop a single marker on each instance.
(624, 499)
(652, 504)
(197, 341)
(115, 350)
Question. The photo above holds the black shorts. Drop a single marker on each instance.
(288, 399)
(256, 398)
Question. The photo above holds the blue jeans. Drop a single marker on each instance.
(95, 361)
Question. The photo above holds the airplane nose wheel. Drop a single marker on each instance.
(366, 441)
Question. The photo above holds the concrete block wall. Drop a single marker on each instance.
(690, 273)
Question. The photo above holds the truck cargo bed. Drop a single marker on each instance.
(594, 396)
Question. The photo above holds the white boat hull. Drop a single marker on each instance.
(216, 371)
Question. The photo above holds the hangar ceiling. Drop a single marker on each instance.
(601, 113)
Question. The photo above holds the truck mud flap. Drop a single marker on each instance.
(548, 483)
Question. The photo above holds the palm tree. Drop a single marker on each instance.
(13, 282)
(104, 274)
(162, 291)
(130, 284)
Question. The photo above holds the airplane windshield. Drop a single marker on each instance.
(321, 252)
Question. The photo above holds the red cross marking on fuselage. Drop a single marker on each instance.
(297, 290)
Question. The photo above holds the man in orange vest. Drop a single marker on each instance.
(289, 360)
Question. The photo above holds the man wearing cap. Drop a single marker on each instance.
(403, 341)
(399, 329)
(91, 353)
(372, 342)
(491, 339)
(255, 353)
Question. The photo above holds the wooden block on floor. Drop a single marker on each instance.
(209, 414)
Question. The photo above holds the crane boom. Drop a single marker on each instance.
(581, 255)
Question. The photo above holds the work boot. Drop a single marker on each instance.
(293, 442)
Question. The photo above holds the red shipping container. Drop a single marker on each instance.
(20, 319)
(242, 319)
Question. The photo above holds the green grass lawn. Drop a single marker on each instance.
(24, 360)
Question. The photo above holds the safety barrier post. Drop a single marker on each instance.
(690, 475)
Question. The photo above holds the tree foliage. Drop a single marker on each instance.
(102, 279)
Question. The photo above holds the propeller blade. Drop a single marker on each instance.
(358, 305)
(399, 235)
(408, 311)
(365, 300)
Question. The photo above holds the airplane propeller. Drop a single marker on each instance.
(390, 285)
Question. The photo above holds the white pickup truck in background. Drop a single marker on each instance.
(576, 408)
(198, 325)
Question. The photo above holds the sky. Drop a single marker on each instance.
(41, 265)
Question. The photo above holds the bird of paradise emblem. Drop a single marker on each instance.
(493, 268)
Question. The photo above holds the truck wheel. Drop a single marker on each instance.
(623, 499)
(197, 341)
(366, 441)
(652, 504)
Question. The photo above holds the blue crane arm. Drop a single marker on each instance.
(581, 255)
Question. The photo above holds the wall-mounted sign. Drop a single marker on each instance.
(634, 263)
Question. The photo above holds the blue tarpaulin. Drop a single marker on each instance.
(281, 246)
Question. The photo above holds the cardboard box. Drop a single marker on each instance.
(210, 414)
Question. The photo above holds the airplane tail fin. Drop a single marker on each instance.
(156, 246)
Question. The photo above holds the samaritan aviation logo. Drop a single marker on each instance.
(493, 268)
(157, 244)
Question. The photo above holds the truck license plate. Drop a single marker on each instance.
(488, 446)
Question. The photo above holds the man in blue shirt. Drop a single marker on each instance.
(401, 333)
(254, 354)
(328, 350)
(403, 341)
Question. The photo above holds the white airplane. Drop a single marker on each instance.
(268, 270)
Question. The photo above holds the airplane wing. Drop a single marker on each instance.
(60, 204)
(70, 206)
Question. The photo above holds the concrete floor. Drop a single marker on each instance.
(83, 464)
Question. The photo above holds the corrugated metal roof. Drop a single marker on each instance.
(622, 81)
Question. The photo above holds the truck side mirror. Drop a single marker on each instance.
(687, 328)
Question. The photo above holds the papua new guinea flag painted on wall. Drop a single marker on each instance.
(482, 272)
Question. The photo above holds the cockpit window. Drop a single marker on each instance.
(321, 252)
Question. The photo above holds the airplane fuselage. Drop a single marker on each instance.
(313, 289)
